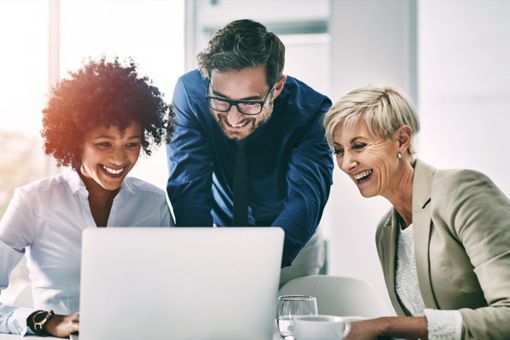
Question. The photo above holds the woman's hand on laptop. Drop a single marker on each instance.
(63, 325)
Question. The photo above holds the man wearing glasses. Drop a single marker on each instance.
(249, 148)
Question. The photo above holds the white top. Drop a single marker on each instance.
(45, 220)
(441, 324)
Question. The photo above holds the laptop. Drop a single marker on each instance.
(179, 283)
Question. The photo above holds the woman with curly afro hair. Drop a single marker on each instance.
(95, 124)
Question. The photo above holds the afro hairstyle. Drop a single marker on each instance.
(102, 93)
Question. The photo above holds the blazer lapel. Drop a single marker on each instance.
(390, 235)
(422, 182)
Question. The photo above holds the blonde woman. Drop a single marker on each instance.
(445, 245)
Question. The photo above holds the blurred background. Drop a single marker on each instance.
(452, 57)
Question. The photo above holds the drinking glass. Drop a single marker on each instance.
(290, 306)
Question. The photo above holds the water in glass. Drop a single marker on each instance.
(290, 306)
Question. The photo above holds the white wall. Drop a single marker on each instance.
(371, 42)
(204, 17)
(465, 86)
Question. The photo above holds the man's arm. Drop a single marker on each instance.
(308, 184)
(189, 183)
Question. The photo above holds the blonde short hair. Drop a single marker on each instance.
(383, 108)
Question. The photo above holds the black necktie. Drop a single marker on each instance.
(240, 187)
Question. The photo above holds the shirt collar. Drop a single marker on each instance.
(126, 186)
(74, 181)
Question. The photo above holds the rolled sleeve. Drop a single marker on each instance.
(443, 324)
(17, 321)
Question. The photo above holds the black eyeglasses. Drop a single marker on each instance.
(246, 107)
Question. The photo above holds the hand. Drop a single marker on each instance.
(402, 327)
(364, 330)
(63, 325)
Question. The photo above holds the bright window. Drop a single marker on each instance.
(151, 32)
(23, 91)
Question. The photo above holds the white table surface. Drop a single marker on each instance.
(32, 337)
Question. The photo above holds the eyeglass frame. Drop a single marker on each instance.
(232, 102)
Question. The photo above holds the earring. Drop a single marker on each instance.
(399, 156)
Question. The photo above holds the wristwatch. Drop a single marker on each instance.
(37, 321)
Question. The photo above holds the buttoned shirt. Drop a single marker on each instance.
(289, 163)
(45, 220)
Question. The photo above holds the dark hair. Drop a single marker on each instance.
(102, 93)
(241, 44)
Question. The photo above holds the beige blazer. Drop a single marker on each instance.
(461, 229)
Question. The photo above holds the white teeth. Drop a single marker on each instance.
(113, 171)
(362, 175)
(240, 124)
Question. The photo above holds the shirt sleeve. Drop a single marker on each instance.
(481, 222)
(309, 179)
(166, 218)
(190, 169)
(16, 232)
(443, 324)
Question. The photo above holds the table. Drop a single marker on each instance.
(276, 336)
(30, 337)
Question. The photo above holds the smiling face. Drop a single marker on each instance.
(109, 155)
(370, 161)
(248, 84)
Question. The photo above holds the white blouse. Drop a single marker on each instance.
(441, 324)
(45, 220)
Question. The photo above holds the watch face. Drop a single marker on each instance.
(40, 316)
(37, 321)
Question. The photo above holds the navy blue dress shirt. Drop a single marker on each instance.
(289, 163)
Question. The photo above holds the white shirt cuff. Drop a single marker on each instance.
(443, 324)
(17, 323)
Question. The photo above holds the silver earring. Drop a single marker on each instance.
(399, 156)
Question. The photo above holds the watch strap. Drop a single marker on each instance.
(37, 321)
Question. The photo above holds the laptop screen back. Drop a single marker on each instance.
(179, 283)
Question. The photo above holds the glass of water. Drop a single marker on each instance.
(290, 306)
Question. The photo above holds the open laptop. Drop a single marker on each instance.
(179, 283)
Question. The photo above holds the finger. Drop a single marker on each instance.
(75, 327)
(72, 326)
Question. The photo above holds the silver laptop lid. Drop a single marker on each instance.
(179, 283)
